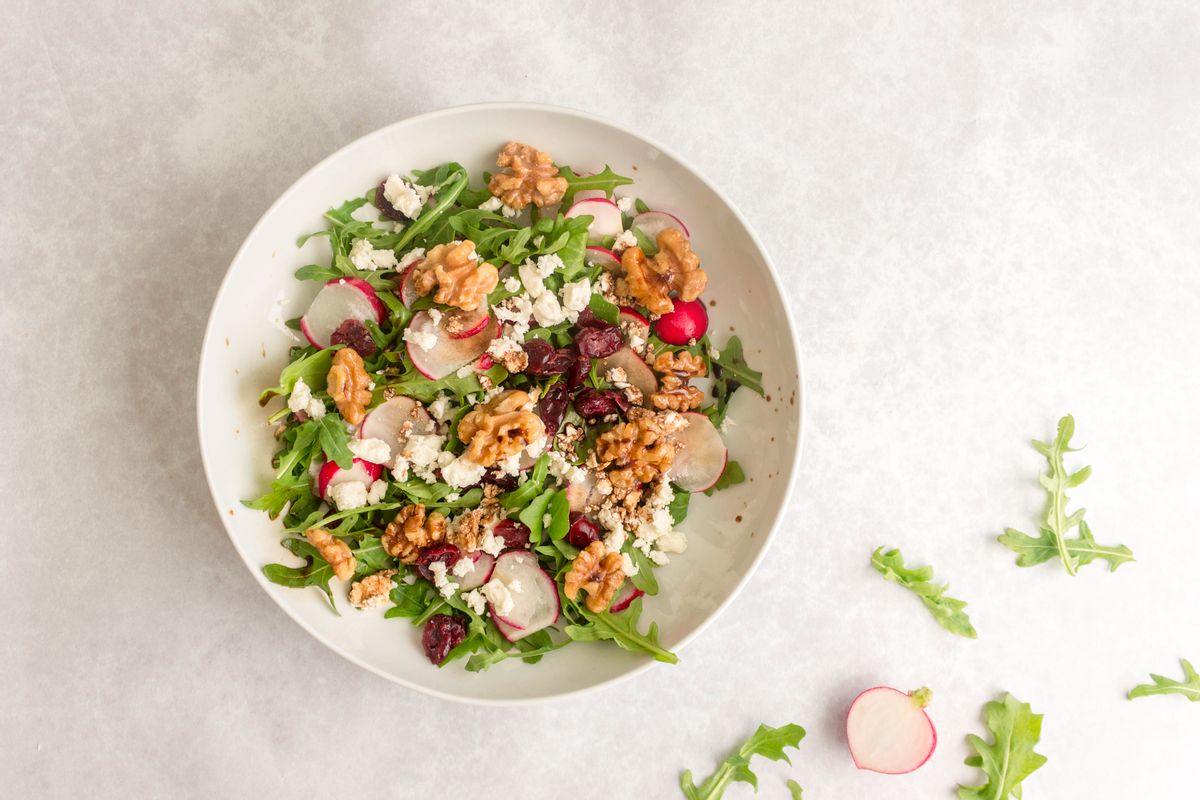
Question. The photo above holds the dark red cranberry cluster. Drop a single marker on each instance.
(445, 552)
(442, 634)
(355, 335)
(592, 338)
(514, 533)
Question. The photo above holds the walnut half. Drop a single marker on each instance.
(674, 268)
(674, 392)
(461, 279)
(348, 385)
(333, 550)
(500, 428)
(411, 531)
(596, 572)
(532, 177)
(636, 452)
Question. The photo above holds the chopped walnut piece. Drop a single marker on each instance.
(372, 591)
(333, 550)
(500, 428)
(411, 531)
(598, 573)
(674, 392)
(348, 384)
(468, 530)
(461, 279)
(636, 452)
(532, 177)
(674, 268)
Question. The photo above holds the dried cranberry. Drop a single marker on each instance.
(446, 553)
(587, 319)
(596, 403)
(599, 341)
(355, 335)
(502, 481)
(514, 533)
(553, 406)
(385, 208)
(579, 372)
(486, 361)
(545, 360)
(442, 634)
(583, 530)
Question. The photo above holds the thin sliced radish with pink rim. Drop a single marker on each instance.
(408, 289)
(595, 255)
(579, 492)
(652, 223)
(625, 597)
(686, 322)
(447, 355)
(508, 631)
(888, 731)
(630, 315)
(484, 566)
(386, 421)
(331, 475)
(591, 194)
(700, 457)
(636, 371)
(473, 322)
(535, 603)
(606, 217)
(339, 300)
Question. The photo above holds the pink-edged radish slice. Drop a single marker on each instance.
(408, 290)
(625, 597)
(606, 217)
(579, 492)
(636, 371)
(473, 322)
(447, 355)
(652, 223)
(339, 300)
(591, 194)
(484, 566)
(535, 603)
(331, 475)
(630, 315)
(595, 255)
(888, 731)
(508, 631)
(683, 325)
(386, 421)
(701, 455)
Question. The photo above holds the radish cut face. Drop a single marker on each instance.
(889, 732)
(484, 565)
(636, 371)
(408, 289)
(606, 217)
(700, 457)
(331, 475)
(652, 223)
(625, 597)
(631, 315)
(473, 322)
(606, 258)
(448, 354)
(339, 300)
(535, 603)
(687, 322)
(386, 421)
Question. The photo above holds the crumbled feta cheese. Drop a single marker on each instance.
(509, 212)
(658, 558)
(441, 409)
(672, 542)
(374, 450)
(409, 578)
(617, 377)
(532, 279)
(452, 497)
(435, 316)
(516, 311)
(462, 472)
(511, 465)
(535, 448)
(514, 586)
(627, 566)
(546, 520)
(423, 449)
(301, 399)
(625, 240)
(546, 265)
(726, 424)
(348, 495)
(615, 540)
(498, 595)
(444, 585)
(492, 544)
(368, 259)
(405, 197)
(466, 370)
(561, 468)
(493, 203)
(475, 601)
(463, 567)
(576, 295)
(714, 353)
(512, 284)
(411, 257)
(400, 467)
(625, 204)
(547, 311)
(376, 492)
(424, 339)
(636, 342)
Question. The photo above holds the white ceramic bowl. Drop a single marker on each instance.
(246, 345)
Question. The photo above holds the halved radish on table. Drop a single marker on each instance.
(636, 371)
(339, 300)
(701, 455)
(602, 256)
(331, 475)
(386, 421)
(447, 354)
(624, 597)
(606, 217)
(535, 605)
(888, 731)
(484, 565)
(652, 223)
(686, 323)
(408, 290)
(473, 322)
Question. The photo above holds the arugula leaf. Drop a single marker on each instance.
(312, 368)
(731, 366)
(418, 387)
(644, 577)
(794, 788)
(523, 495)
(767, 742)
(560, 516)
(1057, 524)
(678, 507)
(447, 192)
(622, 629)
(315, 272)
(533, 515)
(315, 571)
(335, 441)
(1010, 759)
(1189, 687)
(732, 475)
(603, 309)
(919, 580)
(605, 181)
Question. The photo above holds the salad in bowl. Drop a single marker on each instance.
(503, 394)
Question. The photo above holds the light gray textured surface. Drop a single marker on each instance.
(986, 215)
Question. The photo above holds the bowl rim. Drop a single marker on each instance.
(793, 467)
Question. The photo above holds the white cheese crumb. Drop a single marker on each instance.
(546, 265)
(624, 241)
(301, 399)
(426, 340)
(714, 353)
(368, 259)
(442, 409)
(576, 294)
(672, 542)
(462, 472)
(376, 451)
(659, 558)
(627, 566)
(625, 204)
(493, 203)
(475, 601)
(466, 370)
(499, 596)
(411, 257)
(532, 279)
(348, 495)
(376, 492)
(510, 465)
(463, 567)
(399, 468)
(512, 284)
(492, 544)
(405, 197)
(547, 311)
(443, 584)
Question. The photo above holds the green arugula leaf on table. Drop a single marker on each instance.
(767, 742)
(1057, 523)
(919, 580)
(621, 629)
(1189, 687)
(1010, 759)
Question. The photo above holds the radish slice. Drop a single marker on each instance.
(386, 421)
(535, 604)
(630, 315)
(888, 731)
(652, 223)
(408, 289)
(636, 371)
(508, 631)
(606, 217)
(484, 566)
(591, 194)
(578, 493)
(686, 323)
(331, 475)
(700, 457)
(339, 300)
(625, 596)
(448, 354)
(473, 322)
(596, 255)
